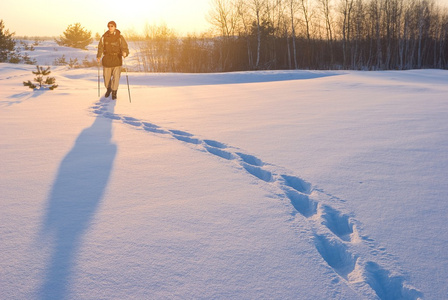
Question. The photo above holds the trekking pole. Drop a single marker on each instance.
(98, 79)
(127, 79)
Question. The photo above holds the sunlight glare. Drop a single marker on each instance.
(182, 16)
(179, 15)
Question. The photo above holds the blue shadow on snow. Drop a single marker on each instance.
(198, 79)
(74, 200)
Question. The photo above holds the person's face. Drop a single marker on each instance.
(111, 28)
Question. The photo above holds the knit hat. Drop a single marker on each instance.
(113, 23)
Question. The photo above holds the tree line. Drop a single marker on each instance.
(291, 34)
(305, 34)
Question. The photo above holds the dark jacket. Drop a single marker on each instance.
(112, 46)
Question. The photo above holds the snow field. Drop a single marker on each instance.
(291, 185)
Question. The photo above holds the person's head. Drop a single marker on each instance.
(112, 26)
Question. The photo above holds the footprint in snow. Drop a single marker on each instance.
(111, 116)
(388, 286)
(337, 222)
(302, 203)
(187, 139)
(336, 254)
(296, 183)
(215, 144)
(333, 245)
(219, 152)
(258, 172)
(132, 121)
(181, 133)
(250, 159)
(153, 128)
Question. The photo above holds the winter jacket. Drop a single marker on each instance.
(112, 47)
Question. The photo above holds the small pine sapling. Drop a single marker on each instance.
(47, 83)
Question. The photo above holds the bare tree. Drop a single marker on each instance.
(306, 11)
(292, 12)
(346, 7)
(223, 16)
(326, 13)
(257, 8)
(244, 22)
(266, 34)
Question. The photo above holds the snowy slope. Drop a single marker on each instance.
(249, 185)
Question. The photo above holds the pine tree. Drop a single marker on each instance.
(49, 82)
(75, 36)
(7, 43)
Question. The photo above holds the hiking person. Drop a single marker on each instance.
(112, 48)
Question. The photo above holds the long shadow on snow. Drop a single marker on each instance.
(73, 202)
(183, 79)
(22, 97)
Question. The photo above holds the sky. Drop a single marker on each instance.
(51, 17)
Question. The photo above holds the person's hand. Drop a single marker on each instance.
(98, 59)
(124, 54)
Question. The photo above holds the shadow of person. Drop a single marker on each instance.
(76, 194)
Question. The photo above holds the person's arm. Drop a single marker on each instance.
(124, 47)
(99, 54)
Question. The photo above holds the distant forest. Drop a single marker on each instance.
(304, 34)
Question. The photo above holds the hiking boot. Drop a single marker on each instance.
(114, 95)
(109, 90)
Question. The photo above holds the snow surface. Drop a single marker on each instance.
(248, 185)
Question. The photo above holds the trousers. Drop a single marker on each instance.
(112, 77)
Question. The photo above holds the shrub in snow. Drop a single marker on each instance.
(7, 43)
(8, 50)
(48, 83)
(75, 36)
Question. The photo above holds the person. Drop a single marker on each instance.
(111, 50)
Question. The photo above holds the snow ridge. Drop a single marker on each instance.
(335, 234)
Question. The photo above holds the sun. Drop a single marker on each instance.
(180, 15)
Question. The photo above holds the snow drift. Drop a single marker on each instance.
(248, 185)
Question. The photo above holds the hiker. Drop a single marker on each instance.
(114, 47)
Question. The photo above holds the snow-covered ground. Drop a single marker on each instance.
(249, 185)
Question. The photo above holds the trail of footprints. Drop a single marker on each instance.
(335, 235)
